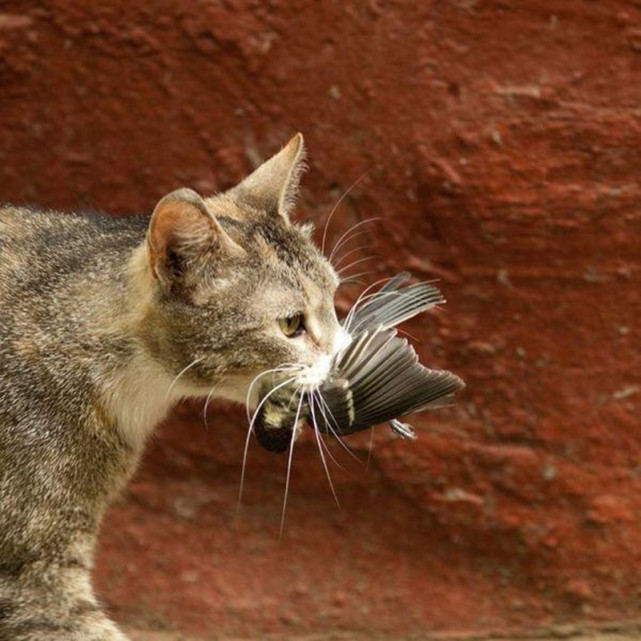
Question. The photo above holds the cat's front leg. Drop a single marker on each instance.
(42, 607)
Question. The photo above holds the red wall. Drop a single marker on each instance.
(502, 146)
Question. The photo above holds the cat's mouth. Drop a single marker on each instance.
(313, 376)
(246, 389)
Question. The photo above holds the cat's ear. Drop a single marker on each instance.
(273, 187)
(183, 235)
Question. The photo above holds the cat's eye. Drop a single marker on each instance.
(292, 325)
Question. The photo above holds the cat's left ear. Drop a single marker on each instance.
(183, 236)
(274, 185)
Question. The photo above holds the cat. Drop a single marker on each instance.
(105, 323)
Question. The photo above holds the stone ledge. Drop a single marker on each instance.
(627, 633)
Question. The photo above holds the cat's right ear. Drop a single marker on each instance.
(183, 236)
(273, 187)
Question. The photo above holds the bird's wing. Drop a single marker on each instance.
(392, 305)
(378, 378)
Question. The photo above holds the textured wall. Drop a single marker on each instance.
(502, 145)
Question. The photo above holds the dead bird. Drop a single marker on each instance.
(375, 379)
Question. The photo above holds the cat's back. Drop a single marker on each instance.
(40, 249)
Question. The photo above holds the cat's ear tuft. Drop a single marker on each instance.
(273, 187)
(183, 235)
(308, 229)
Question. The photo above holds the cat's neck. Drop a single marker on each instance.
(138, 396)
(137, 391)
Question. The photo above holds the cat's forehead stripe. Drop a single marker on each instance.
(313, 292)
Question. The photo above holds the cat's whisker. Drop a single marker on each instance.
(374, 284)
(403, 331)
(363, 299)
(329, 453)
(362, 232)
(363, 293)
(183, 371)
(283, 367)
(293, 396)
(349, 239)
(250, 430)
(351, 233)
(350, 316)
(355, 278)
(289, 465)
(344, 237)
(337, 205)
(251, 418)
(336, 436)
(349, 253)
(370, 448)
(322, 455)
(354, 263)
(211, 392)
(366, 299)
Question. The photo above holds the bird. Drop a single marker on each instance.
(377, 378)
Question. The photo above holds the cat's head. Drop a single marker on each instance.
(237, 287)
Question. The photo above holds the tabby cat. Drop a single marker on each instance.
(105, 323)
